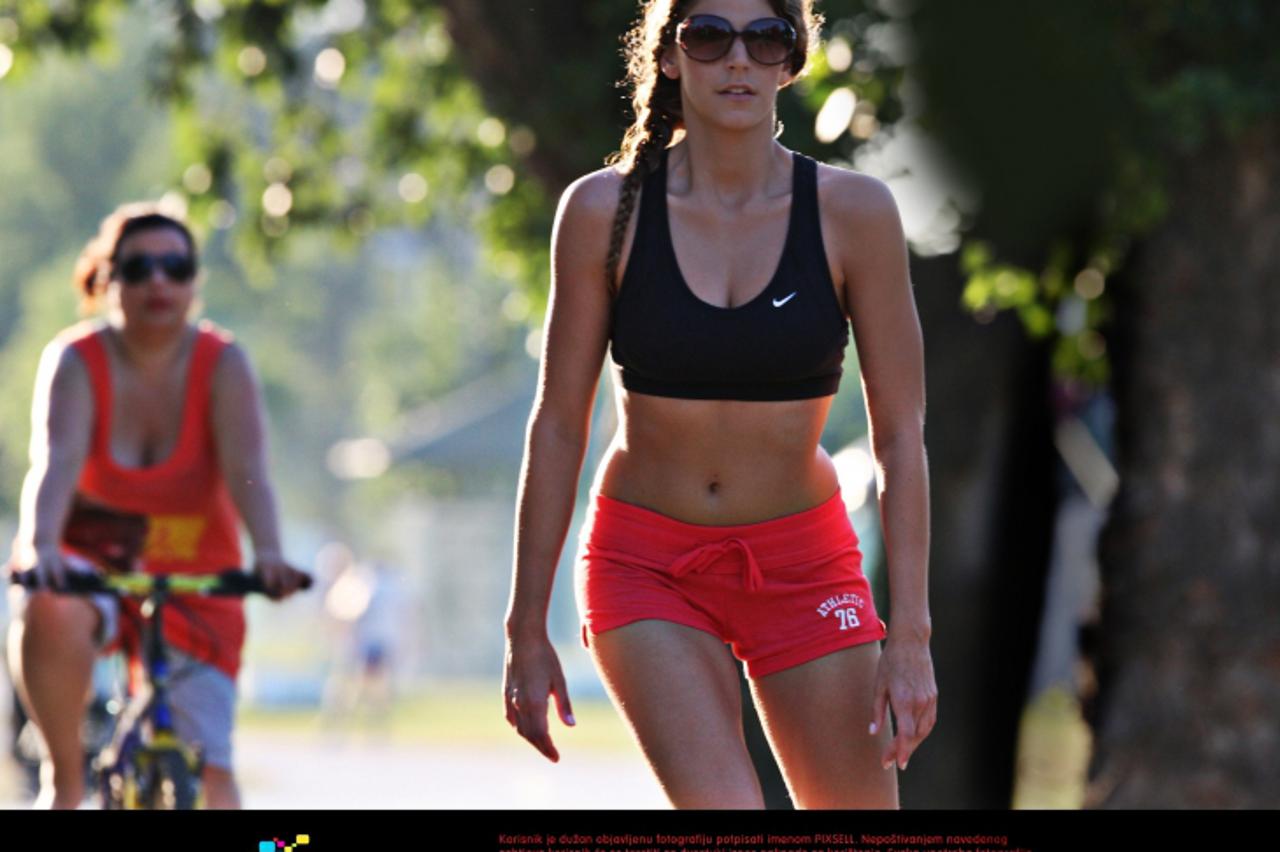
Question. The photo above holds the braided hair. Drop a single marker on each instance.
(655, 99)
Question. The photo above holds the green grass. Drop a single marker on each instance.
(463, 713)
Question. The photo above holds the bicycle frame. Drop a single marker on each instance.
(125, 763)
(147, 764)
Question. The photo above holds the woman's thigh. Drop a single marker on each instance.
(678, 689)
(817, 717)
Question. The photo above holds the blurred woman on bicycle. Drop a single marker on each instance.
(146, 413)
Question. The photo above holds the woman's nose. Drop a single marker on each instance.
(737, 57)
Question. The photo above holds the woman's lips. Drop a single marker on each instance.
(737, 93)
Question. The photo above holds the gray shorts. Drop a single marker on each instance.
(203, 698)
(204, 707)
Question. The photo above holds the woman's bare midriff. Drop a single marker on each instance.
(718, 462)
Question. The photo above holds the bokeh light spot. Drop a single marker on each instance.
(1090, 283)
(533, 343)
(864, 124)
(412, 187)
(173, 203)
(277, 200)
(435, 45)
(500, 179)
(251, 61)
(329, 68)
(491, 132)
(208, 10)
(836, 113)
(839, 54)
(197, 178)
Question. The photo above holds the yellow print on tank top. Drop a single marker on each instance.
(173, 538)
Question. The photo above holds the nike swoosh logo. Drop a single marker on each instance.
(777, 303)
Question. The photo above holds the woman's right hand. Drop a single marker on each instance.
(531, 676)
(49, 568)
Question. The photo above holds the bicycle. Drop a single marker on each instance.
(146, 765)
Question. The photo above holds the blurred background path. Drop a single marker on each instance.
(416, 760)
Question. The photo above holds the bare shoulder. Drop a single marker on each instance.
(854, 198)
(60, 361)
(591, 201)
(584, 227)
(233, 368)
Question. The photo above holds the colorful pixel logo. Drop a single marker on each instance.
(275, 844)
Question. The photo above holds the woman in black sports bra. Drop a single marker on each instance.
(721, 272)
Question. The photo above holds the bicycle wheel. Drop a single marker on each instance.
(170, 784)
(117, 789)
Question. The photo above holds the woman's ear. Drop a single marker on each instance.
(667, 64)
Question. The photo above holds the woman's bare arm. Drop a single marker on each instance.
(576, 334)
(61, 429)
(891, 354)
(239, 431)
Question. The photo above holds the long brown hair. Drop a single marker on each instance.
(655, 98)
(97, 259)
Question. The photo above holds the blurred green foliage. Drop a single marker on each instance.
(340, 101)
(1072, 117)
(347, 332)
(374, 180)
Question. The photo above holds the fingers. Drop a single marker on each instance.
(881, 706)
(915, 716)
(904, 743)
(526, 707)
(509, 704)
(906, 683)
(292, 580)
(889, 755)
(280, 578)
(51, 572)
(561, 693)
(531, 723)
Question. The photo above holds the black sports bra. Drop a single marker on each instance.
(786, 343)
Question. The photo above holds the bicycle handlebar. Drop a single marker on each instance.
(229, 583)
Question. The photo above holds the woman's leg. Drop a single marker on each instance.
(678, 689)
(817, 716)
(51, 652)
(220, 790)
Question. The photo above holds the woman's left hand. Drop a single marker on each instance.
(280, 578)
(904, 680)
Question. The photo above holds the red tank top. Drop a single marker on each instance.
(192, 523)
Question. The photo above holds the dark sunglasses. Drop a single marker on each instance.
(138, 268)
(706, 38)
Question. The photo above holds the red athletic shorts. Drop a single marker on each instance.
(780, 592)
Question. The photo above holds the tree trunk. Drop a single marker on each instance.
(991, 467)
(517, 52)
(1189, 655)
